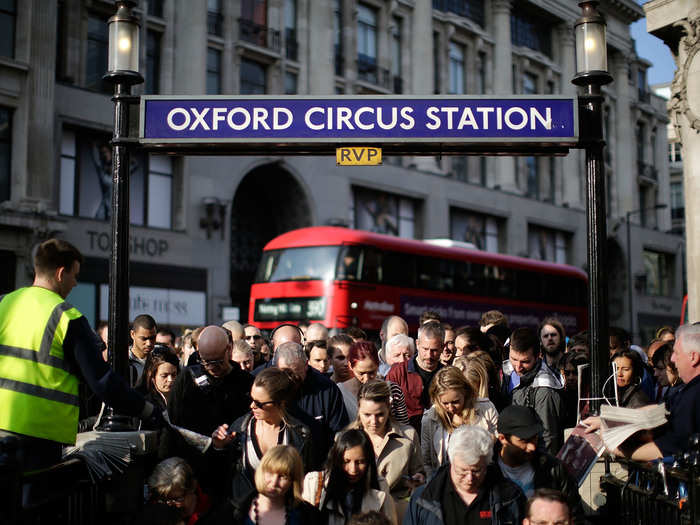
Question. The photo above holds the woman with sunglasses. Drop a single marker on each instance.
(454, 404)
(350, 483)
(159, 372)
(363, 362)
(268, 425)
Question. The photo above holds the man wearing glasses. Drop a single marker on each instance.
(254, 338)
(214, 392)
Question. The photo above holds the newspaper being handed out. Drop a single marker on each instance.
(617, 423)
(194, 439)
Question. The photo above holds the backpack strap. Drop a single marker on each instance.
(319, 490)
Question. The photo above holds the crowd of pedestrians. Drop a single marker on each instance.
(457, 425)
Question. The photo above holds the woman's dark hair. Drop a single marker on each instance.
(337, 486)
(363, 350)
(663, 355)
(637, 364)
(278, 384)
(156, 357)
(574, 359)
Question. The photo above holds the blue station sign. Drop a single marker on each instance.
(372, 120)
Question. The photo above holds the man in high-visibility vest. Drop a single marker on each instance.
(46, 347)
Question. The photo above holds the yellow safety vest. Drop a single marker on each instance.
(38, 390)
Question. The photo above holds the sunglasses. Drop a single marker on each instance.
(214, 363)
(262, 405)
(256, 337)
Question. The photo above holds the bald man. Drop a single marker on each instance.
(235, 328)
(316, 332)
(214, 392)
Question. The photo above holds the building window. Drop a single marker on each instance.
(437, 63)
(677, 201)
(674, 152)
(8, 17)
(533, 177)
(653, 147)
(290, 29)
(642, 85)
(97, 49)
(214, 18)
(85, 188)
(478, 229)
(338, 38)
(213, 71)
(5, 152)
(481, 73)
(456, 56)
(290, 83)
(160, 190)
(528, 30)
(641, 132)
(658, 273)
(152, 62)
(529, 84)
(155, 8)
(252, 78)
(396, 55)
(472, 9)
(546, 244)
(382, 212)
(367, 44)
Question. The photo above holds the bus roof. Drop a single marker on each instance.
(334, 236)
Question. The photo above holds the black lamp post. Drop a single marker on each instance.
(629, 260)
(123, 72)
(591, 73)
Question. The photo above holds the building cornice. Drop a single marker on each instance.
(627, 10)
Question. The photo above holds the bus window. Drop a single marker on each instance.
(435, 274)
(530, 286)
(297, 264)
(371, 265)
(398, 269)
(349, 263)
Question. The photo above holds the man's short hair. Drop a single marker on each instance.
(168, 332)
(579, 339)
(335, 341)
(470, 444)
(371, 517)
(688, 335)
(431, 330)
(428, 315)
(356, 333)
(554, 496)
(143, 321)
(622, 335)
(291, 352)
(523, 340)
(240, 346)
(54, 254)
(493, 317)
(401, 340)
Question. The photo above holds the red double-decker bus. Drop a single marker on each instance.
(342, 277)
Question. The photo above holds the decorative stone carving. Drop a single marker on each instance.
(687, 77)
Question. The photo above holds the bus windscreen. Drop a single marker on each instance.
(298, 264)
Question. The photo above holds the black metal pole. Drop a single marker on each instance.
(591, 121)
(118, 337)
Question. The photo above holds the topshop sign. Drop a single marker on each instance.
(341, 120)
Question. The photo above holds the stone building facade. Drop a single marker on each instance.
(199, 223)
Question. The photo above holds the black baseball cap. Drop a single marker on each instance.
(519, 421)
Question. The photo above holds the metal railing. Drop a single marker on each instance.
(472, 9)
(648, 496)
(368, 71)
(214, 23)
(258, 34)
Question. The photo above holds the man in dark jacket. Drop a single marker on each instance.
(528, 382)
(468, 490)
(531, 469)
(205, 396)
(319, 403)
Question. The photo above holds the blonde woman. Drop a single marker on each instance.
(478, 377)
(454, 405)
(276, 498)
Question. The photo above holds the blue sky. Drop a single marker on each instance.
(655, 51)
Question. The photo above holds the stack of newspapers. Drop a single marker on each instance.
(617, 424)
(104, 454)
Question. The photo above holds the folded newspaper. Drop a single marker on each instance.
(617, 424)
(104, 453)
